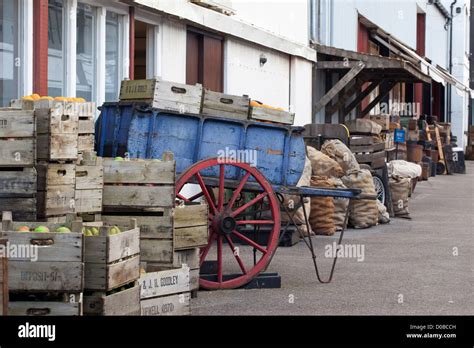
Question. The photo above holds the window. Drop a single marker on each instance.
(112, 56)
(55, 48)
(85, 52)
(10, 52)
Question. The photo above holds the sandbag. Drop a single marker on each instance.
(363, 125)
(340, 205)
(322, 209)
(400, 189)
(340, 153)
(364, 213)
(292, 202)
(384, 217)
(323, 165)
(404, 169)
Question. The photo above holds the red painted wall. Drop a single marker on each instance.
(420, 49)
(40, 47)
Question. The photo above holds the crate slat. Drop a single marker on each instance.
(265, 114)
(16, 123)
(225, 105)
(156, 250)
(17, 152)
(139, 172)
(163, 283)
(167, 305)
(138, 196)
(45, 276)
(90, 177)
(126, 302)
(101, 276)
(44, 308)
(85, 143)
(56, 121)
(24, 209)
(18, 182)
(58, 200)
(159, 227)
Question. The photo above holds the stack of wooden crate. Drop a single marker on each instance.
(57, 124)
(368, 150)
(47, 278)
(165, 292)
(112, 268)
(3, 280)
(89, 184)
(17, 158)
(86, 128)
(145, 190)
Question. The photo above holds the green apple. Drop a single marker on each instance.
(88, 233)
(95, 231)
(114, 230)
(63, 229)
(118, 158)
(41, 229)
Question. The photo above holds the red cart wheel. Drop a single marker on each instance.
(226, 216)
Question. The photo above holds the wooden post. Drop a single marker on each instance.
(40, 47)
(132, 43)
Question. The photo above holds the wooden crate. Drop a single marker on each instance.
(191, 225)
(86, 109)
(164, 95)
(85, 142)
(47, 304)
(123, 302)
(56, 189)
(89, 187)
(138, 184)
(3, 280)
(382, 120)
(167, 305)
(367, 151)
(153, 225)
(18, 187)
(112, 261)
(189, 258)
(58, 147)
(57, 201)
(17, 142)
(163, 283)
(225, 105)
(271, 115)
(53, 263)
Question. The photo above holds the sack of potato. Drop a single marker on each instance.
(323, 165)
(340, 205)
(340, 153)
(322, 208)
(292, 202)
(384, 217)
(400, 189)
(364, 213)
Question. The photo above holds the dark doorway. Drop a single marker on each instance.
(140, 67)
(204, 60)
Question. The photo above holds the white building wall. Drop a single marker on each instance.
(286, 18)
(173, 51)
(269, 83)
(301, 90)
(460, 70)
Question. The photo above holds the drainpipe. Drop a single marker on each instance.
(450, 109)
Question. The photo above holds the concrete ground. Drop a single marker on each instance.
(410, 266)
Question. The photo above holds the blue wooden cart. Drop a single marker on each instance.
(220, 160)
